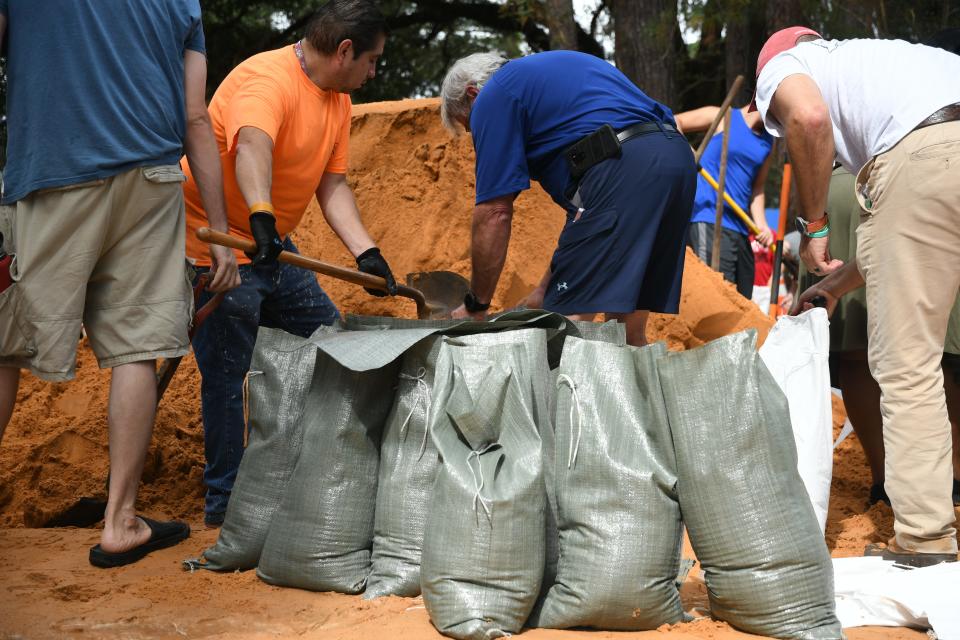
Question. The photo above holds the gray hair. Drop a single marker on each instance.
(471, 71)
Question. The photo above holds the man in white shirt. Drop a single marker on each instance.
(889, 111)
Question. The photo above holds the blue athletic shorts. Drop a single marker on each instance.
(626, 251)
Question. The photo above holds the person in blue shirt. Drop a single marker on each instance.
(748, 160)
(605, 152)
(103, 98)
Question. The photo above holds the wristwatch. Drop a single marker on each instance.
(816, 229)
(472, 304)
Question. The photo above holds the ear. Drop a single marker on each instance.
(472, 92)
(345, 49)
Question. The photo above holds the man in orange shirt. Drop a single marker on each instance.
(282, 123)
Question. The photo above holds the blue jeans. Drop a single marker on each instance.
(279, 296)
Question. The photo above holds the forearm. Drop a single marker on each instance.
(204, 159)
(254, 166)
(811, 157)
(492, 223)
(339, 207)
(758, 210)
(545, 280)
(696, 120)
(844, 280)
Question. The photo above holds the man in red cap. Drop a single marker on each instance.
(889, 111)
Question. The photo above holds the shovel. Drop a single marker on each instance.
(436, 293)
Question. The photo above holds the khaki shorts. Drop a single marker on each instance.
(107, 254)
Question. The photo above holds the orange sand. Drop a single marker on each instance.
(414, 184)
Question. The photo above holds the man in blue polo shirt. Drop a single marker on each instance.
(605, 152)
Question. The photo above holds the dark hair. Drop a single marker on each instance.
(359, 21)
(807, 37)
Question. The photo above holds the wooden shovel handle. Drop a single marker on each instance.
(210, 236)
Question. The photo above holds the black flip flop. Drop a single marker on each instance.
(910, 559)
(162, 535)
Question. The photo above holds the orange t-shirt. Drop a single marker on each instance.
(310, 129)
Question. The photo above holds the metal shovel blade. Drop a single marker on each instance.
(442, 290)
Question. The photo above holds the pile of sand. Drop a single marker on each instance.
(414, 184)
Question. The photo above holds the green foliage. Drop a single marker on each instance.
(418, 53)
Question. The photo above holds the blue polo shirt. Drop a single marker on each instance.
(746, 153)
(534, 107)
(94, 88)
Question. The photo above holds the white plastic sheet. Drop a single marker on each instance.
(796, 352)
(872, 591)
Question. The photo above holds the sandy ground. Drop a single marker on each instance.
(414, 185)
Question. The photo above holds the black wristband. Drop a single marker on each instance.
(472, 304)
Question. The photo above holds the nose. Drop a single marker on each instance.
(372, 72)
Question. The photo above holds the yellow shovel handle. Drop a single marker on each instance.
(747, 220)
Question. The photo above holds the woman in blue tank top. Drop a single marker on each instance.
(748, 159)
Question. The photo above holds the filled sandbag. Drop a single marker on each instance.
(484, 547)
(281, 371)
(408, 466)
(619, 524)
(751, 524)
(796, 353)
(408, 459)
(321, 534)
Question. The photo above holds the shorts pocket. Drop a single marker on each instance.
(164, 174)
(591, 224)
(947, 149)
(13, 340)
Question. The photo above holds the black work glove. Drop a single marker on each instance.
(370, 261)
(263, 228)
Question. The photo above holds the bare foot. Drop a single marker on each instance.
(124, 533)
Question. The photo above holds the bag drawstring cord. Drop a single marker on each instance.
(575, 404)
(424, 394)
(478, 483)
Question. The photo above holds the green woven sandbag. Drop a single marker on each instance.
(281, 371)
(618, 518)
(321, 535)
(749, 519)
(484, 547)
(408, 466)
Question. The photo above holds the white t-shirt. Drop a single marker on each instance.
(876, 91)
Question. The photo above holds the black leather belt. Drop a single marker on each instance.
(949, 113)
(644, 127)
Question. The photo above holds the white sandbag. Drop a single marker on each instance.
(795, 353)
(871, 591)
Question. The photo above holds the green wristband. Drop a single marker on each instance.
(821, 233)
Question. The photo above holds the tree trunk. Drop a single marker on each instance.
(782, 14)
(646, 45)
(560, 22)
(744, 38)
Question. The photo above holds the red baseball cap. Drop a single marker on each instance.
(777, 44)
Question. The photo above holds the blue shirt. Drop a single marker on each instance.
(534, 107)
(95, 87)
(745, 155)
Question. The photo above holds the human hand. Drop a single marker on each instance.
(815, 296)
(263, 228)
(534, 299)
(815, 253)
(461, 313)
(765, 237)
(370, 261)
(224, 272)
